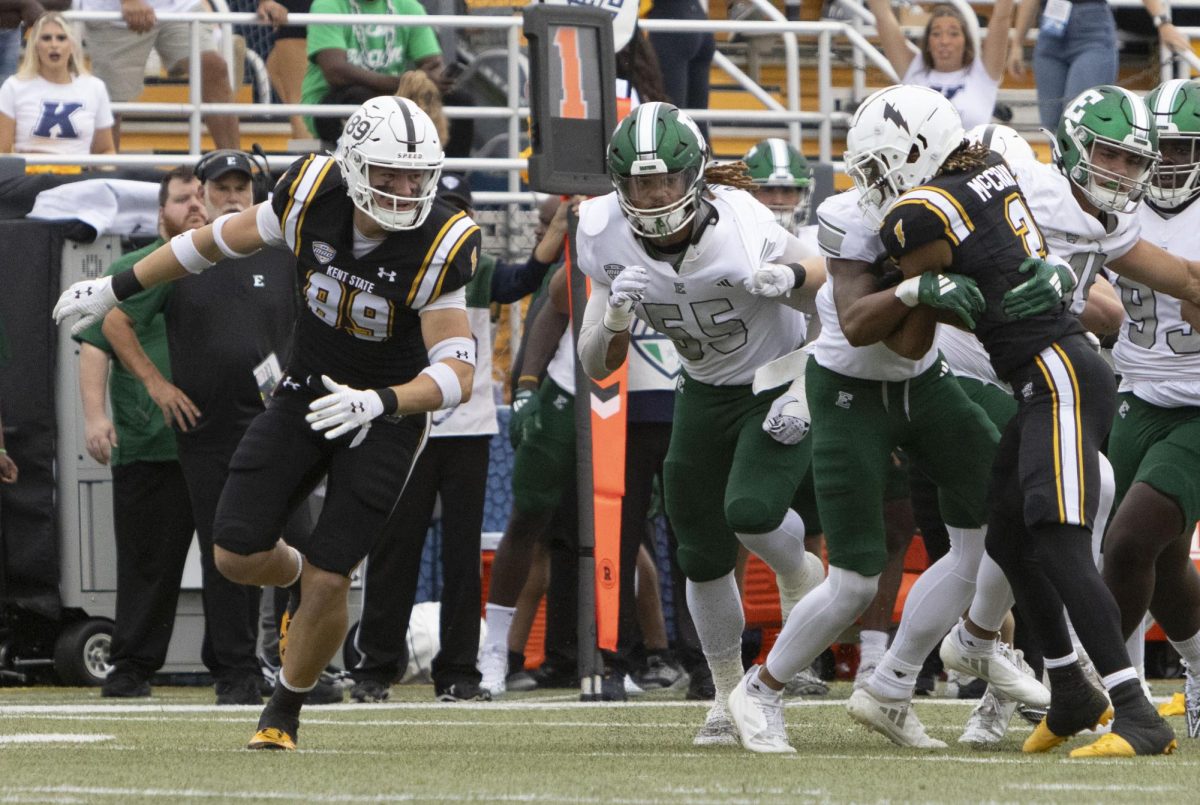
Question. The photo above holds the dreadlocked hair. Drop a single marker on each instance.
(730, 174)
(967, 157)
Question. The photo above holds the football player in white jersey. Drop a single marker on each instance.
(676, 247)
(872, 388)
(1155, 440)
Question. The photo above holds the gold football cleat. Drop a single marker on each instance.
(272, 738)
(1113, 745)
(1043, 740)
(1176, 707)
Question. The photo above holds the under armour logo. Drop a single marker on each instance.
(357, 408)
(56, 117)
(390, 276)
(461, 354)
(82, 292)
(843, 399)
(288, 383)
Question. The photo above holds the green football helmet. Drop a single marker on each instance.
(656, 158)
(783, 180)
(1175, 109)
(1101, 128)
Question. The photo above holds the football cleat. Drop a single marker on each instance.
(718, 730)
(493, 667)
(272, 738)
(1133, 736)
(369, 691)
(1002, 668)
(1176, 707)
(1084, 717)
(758, 716)
(989, 721)
(1191, 696)
(806, 683)
(894, 720)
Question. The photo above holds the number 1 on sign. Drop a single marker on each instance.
(572, 104)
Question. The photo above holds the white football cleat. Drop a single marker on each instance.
(1002, 669)
(989, 721)
(758, 717)
(718, 730)
(895, 720)
(1191, 701)
(493, 668)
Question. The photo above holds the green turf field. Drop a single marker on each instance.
(69, 745)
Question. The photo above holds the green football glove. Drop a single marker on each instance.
(1051, 281)
(954, 292)
(526, 418)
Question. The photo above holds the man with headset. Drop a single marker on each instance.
(227, 334)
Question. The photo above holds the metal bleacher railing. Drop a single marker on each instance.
(799, 122)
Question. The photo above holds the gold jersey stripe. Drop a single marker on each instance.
(433, 247)
(437, 289)
(307, 201)
(432, 273)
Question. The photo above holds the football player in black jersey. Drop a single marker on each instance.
(967, 215)
(383, 340)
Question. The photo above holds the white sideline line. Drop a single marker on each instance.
(152, 707)
(53, 738)
(1086, 787)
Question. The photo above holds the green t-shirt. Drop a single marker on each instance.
(381, 49)
(142, 434)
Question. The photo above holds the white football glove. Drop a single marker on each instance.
(788, 420)
(92, 299)
(626, 291)
(343, 410)
(771, 280)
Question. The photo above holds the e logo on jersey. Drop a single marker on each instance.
(323, 252)
(613, 269)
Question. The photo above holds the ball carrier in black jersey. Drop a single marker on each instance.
(383, 340)
(971, 218)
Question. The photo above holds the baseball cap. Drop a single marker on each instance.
(455, 189)
(216, 164)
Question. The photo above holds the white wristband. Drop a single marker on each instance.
(447, 382)
(616, 319)
(185, 251)
(217, 226)
(908, 291)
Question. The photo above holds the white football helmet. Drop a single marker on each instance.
(898, 139)
(394, 133)
(1003, 140)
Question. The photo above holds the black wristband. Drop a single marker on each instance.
(125, 285)
(801, 274)
(390, 401)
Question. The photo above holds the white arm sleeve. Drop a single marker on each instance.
(594, 337)
(268, 225)
(448, 301)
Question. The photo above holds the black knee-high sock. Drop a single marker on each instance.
(1065, 552)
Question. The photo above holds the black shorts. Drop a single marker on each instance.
(1066, 398)
(294, 31)
(281, 459)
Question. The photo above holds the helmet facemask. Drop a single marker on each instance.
(656, 203)
(390, 134)
(1176, 179)
(1106, 187)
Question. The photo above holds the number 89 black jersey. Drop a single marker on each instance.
(361, 324)
(983, 215)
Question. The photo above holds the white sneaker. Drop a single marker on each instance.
(895, 720)
(758, 716)
(718, 730)
(1001, 668)
(493, 667)
(989, 721)
(1191, 701)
